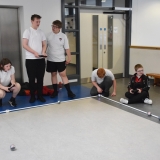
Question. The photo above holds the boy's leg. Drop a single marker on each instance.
(40, 70)
(138, 98)
(31, 72)
(15, 90)
(106, 85)
(129, 95)
(2, 95)
(54, 84)
(66, 83)
(52, 68)
(62, 72)
(93, 91)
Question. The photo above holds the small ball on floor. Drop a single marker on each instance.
(13, 147)
(59, 102)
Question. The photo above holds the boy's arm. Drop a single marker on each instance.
(68, 56)
(44, 48)
(114, 88)
(13, 81)
(26, 47)
(130, 84)
(147, 84)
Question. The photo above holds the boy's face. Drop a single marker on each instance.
(36, 23)
(7, 67)
(55, 29)
(140, 71)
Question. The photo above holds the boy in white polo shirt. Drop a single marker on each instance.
(102, 80)
(34, 43)
(8, 82)
(57, 47)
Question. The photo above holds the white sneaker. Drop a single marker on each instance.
(122, 100)
(148, 101)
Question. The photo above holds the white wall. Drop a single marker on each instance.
(50, 10)
(145, 32)
(146, 23)
(147, 57)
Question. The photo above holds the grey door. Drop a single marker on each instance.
(10, 40)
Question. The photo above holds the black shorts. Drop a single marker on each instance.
(56, 66)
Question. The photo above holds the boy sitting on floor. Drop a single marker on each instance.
(138, 88)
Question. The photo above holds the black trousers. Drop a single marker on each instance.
(35, 70)
(136, 98)
(105, 86)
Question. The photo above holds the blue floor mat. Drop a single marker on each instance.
(23, 101)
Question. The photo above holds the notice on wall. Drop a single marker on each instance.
(115, 29)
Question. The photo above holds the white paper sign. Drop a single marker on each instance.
(115, 29)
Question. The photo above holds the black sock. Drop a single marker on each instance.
(12, 98)
(67, 86)
(54, 87)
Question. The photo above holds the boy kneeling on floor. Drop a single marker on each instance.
(102, 80)
(138, 88)
(8, 82)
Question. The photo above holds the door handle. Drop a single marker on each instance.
(104, 52)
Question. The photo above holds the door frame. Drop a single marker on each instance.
(76, 78)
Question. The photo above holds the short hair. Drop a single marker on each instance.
(4, 62)
(57, 23)
(35, 16)
(101, 72)
(137, 66)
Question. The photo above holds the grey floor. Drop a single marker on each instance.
(122, 88)
(86, 129)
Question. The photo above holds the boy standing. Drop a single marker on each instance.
(56, 61)
(34, 43)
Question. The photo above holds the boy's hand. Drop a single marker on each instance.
(139, 90)
(36, 55)
(131, 91)
(113, 94)
(68, 61)
(99, 90)
(44, 54)
(13, 84)
(7, 89)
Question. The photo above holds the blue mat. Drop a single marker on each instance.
(23, 101)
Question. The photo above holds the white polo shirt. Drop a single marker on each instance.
(95, 77)
(35, 39)
(57, 44)
(5, 77)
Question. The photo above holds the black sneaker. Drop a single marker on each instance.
(55, 94)
(12, 102)
(40, 98)
(0, 102)
(32, 99)
(71, 95)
